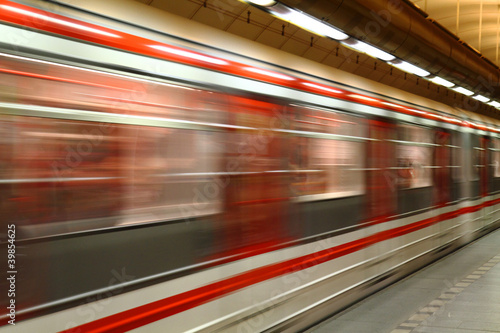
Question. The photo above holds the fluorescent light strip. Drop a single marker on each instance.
(370, 50)
(442, 82)
(58, 21)
(495, 104)
(188, 54)
(269, 73)
(263, 3)
(409, 68)
(310, 23)
(312, 85)
(481, 98)
(463, 91)
(318, 27)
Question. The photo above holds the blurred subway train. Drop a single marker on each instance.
(157, 180)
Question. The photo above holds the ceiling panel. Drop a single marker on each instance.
(187, 10)
(272, 38)
(244, 29)
(213, 17)
(474, 21)
(315, 54)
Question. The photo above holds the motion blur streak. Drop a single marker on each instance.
(163, 184)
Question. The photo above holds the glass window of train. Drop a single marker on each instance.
(414, 156)
(323, 166)
(172, 173)
(67, 172)
(495, 157)
(326, 166)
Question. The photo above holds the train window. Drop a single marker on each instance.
(68, 176)
(65, 171)
(495, 157)
(327, 153)
(170, 173)
(414, 156)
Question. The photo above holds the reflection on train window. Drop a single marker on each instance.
(414, 156)
(327, 153)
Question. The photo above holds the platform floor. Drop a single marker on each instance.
(457, 294)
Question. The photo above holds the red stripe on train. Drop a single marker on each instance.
(45, 21)
(148, 313)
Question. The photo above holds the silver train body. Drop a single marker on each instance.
(156, 180)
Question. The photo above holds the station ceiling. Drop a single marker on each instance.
(475, 22)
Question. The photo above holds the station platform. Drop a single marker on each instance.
(459, 293)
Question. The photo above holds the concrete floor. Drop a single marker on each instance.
(457, 294)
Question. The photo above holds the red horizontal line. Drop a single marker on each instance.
(139, 45)
(148, 313)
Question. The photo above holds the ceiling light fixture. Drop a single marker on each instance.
(463, 91)
(369, 50)
(442, 82)
(319, 27)
(263, 3)
(409, 68)
(481, 98)
(309, 23)
(495, 104)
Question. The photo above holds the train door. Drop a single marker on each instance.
(381, 177)
(257, 193)
(442, 162)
